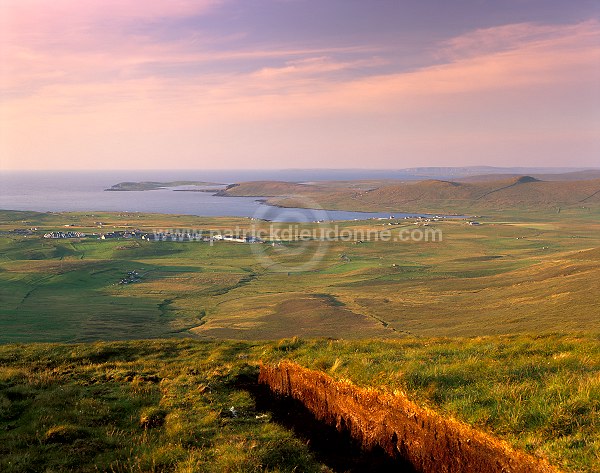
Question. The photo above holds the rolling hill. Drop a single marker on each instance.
(431, 195)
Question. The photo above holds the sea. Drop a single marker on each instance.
(62, 191)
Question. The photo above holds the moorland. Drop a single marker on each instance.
(495, 324)
(489, 193)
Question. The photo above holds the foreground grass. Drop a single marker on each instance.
(136, 407)
(541, 394)
(165, 405)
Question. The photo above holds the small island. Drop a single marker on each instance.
(152, 185)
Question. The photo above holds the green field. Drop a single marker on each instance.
(514, 275)
(137, 407)
(496, 325)
(150, 406)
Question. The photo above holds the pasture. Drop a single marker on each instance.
(505, 276)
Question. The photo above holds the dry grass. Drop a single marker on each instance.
(432, 195)
(429, 441)
(541, 394)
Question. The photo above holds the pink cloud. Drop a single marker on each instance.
(509, 37)
(504, 87)
(567, 56)
(566, 59)
(507, 57)
(35, 18)
(311, 66)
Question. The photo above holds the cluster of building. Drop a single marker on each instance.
(237, 239)
(199, 236)
(158, 236)
(115, 235)
(420, 221)
(58, 235)
(139, 234)
(132, 277)
(127, 234)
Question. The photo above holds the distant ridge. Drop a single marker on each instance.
(567, 176)
(438, 182)
(520, 191)
(475, 171)
(525, 179)
(439, 173)
(431, 195)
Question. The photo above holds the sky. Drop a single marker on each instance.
(276, 84)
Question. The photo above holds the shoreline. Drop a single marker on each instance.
(176, 214)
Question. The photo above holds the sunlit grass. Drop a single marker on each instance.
(542, 394)
(141, 406)
(166, 404)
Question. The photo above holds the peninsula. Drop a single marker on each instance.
(153, 185)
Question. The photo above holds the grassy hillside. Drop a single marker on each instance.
(167, 405)
(512, 275)
(542, 394)
(516, 192)
(265, 189)
(161, 405)
(436, 196)
(136, 407)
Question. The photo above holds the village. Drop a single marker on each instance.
(183, 235)
(176, 235)
(60, 235)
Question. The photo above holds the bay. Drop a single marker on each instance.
(58, 191)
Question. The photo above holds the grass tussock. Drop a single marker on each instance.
(177, 405)
(541, 394)
(137, 407)
(428, 441)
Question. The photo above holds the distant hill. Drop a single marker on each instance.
(566, 176)
(264, 189)
(430, 195)
(516, 191)
(460, 173)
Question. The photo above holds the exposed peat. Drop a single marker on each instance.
(333, 447)
(384, 424)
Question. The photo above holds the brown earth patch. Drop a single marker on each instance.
(429, 442)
